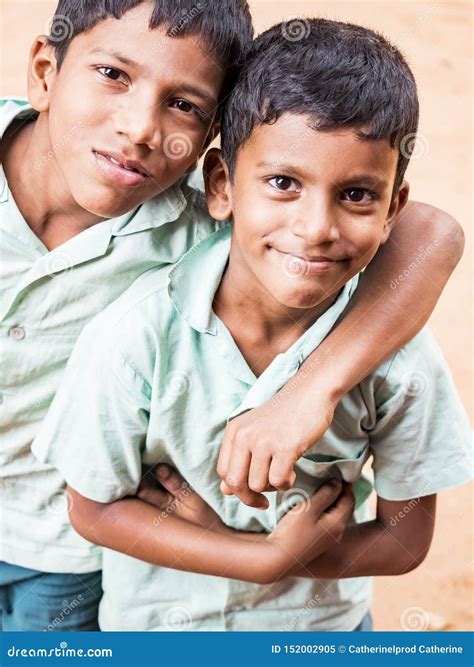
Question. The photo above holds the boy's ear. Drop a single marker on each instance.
(217, 182)
(42, 70)
(213, 134)
(398, 203)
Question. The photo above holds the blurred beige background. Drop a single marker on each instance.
(436, 39)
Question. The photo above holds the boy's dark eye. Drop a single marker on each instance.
(358, 195)
(183, 105)
(284, 184)
(112, 74)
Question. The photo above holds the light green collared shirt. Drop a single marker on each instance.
(46, 298)
(156, 377)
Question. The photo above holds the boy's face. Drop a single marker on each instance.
(310, 209)
(126, 94)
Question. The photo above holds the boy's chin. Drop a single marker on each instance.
(303, 300)
(108, 208)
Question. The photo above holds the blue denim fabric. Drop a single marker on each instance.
(41, 601)
(365, 625)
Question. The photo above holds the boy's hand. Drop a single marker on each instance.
(313, 527)
(163, 487)
(260, 447)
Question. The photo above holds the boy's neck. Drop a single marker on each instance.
(38, 187)
(261, 327)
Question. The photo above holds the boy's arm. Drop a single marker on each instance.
(396, 295)
(396, 542)
(138, 529)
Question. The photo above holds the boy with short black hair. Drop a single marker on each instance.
(157, 375)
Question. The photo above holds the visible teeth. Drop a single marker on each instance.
(112, 159)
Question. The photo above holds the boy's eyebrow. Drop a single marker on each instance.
(118, 56)
(198, 92)
(371, 180)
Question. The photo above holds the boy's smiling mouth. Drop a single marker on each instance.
(308, 263)
(120, 170)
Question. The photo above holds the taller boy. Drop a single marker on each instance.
(122, 105)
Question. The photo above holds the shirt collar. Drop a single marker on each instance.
(11, 108)
(162, 209)
(193, 281)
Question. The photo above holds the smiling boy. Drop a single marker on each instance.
(157, 375)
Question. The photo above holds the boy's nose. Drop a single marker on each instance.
(317, 225)
(142, 126)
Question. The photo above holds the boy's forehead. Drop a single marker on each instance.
(153, 52)
(292, 143)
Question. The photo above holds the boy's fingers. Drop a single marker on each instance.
(258, 473)
(226, 490)
(152, 495)
(238, 471)
(224, 454)
(344, 506)
(171, 480)
(325, 496)
(250, 498)
(337, 516)
(282, 475)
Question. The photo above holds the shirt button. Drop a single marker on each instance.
(17, 333)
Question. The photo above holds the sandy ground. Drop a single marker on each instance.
(436, 38)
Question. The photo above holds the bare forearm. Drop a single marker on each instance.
(139, 530)
(367, 549)
(396, 542)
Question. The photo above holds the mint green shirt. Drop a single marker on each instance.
(155, 378)
(46, 298)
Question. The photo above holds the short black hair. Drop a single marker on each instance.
(339, 74)
(224, 25)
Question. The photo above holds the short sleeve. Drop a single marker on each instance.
(422, 440)
(96, 428)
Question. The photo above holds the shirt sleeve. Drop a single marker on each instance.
(95, 430)
(422, 440)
